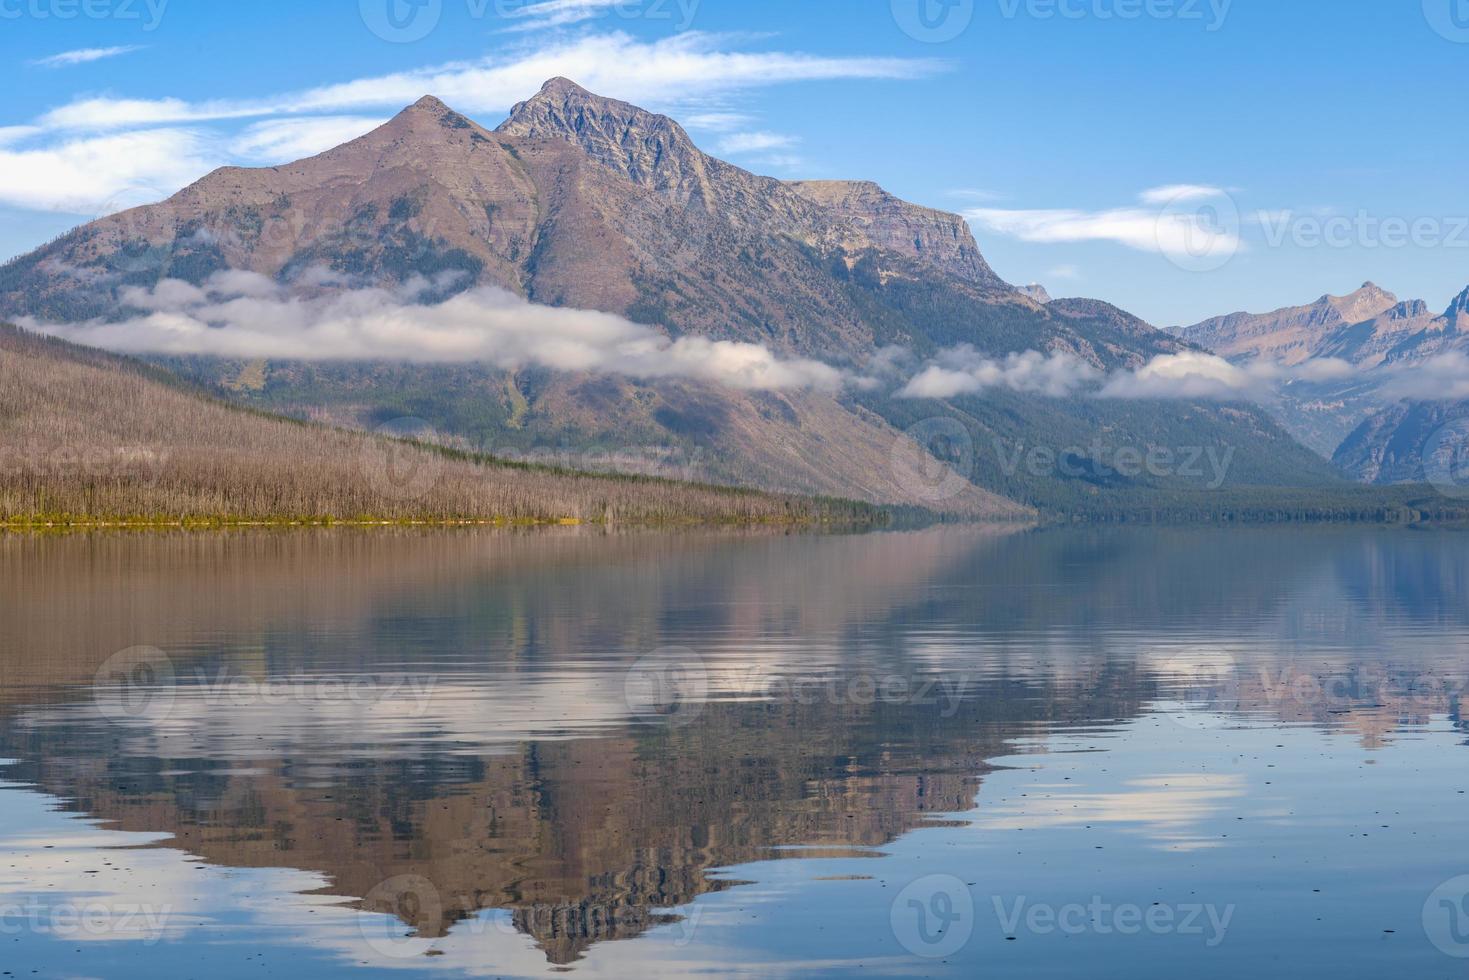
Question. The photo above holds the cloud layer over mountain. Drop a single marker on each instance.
(241, 314)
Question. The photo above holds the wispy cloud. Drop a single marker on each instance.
(717, 122)
(1178, 193)
(101, 174)
(738, 143)
(679, 70)
(1164, 226)
(66, 159)
(541, 15)
(240, 314)
(284, 140)
(962, 370)
(84, 56)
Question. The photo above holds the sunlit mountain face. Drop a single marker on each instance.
(509, 753)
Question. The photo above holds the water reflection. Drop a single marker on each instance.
(461, 732)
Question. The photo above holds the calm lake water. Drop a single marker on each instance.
(951, 752)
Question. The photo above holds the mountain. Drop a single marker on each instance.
(91, 437)
(1293, 334)
(1037, 292)
(1411, 442)
(1370, 329)
(578, 201)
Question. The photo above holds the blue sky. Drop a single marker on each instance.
(1180, 158)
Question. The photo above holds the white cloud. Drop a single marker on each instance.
(717, 122)
(99, 175)
(964, 371)
(240, 314)
(547, 14)
(1176, 193)
(759, 142)
(1441, 378)
(678, 70)
(84, 56)
(285, 140)
(1197, 375)
(1207, 229)
(1324, 369)
(158, 143)
(1192, 374)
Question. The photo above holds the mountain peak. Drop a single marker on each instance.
(1459, 309)
(563, 86)
(430, 103)
(646, 148)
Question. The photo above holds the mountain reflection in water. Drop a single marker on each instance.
(439, 726)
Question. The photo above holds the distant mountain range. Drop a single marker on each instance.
(1369, 328)
(1373, 420)
(586, 203)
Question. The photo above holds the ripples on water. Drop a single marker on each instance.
(948, 752)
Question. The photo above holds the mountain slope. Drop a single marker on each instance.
(589, 203)
(1293, 334)
(87, 436)
(1412, 442)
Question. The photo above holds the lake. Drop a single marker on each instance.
(955, 751)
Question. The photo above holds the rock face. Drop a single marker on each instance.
(1414, 442)
(1036, 292)
(1293, 334)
